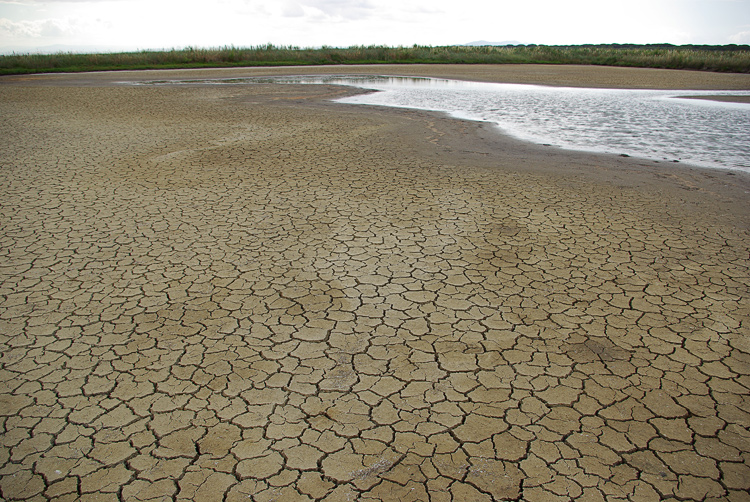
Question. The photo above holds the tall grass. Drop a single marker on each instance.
(731, 58)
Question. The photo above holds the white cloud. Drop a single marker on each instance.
(293, 9)
(37, 29)
(337, 9)
(742, 37)
(176, 23)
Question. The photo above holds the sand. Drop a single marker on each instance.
(252, 292)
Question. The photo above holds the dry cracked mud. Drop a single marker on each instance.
(250, 293)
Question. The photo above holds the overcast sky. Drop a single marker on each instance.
(154, 24)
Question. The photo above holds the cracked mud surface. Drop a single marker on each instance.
(248, 293)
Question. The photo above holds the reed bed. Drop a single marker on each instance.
(731, 58)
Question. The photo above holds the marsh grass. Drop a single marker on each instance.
(730, 58)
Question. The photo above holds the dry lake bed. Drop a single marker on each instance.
(250, 292)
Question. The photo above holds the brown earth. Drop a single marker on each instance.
(251, 292)
(728, 99)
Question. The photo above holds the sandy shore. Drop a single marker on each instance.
(256, 292)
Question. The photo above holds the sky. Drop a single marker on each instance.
(106, 25)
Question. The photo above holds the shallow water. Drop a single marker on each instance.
(651, 124)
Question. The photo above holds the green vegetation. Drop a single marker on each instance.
(727, 58)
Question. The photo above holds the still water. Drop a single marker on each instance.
(658, 125)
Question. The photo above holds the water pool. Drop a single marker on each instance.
(652, 124)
